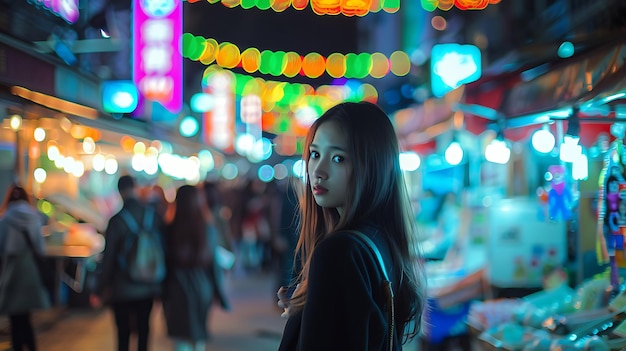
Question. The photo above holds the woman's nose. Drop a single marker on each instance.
(319, 171)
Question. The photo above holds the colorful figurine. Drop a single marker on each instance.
(559, 196)
(615, 240)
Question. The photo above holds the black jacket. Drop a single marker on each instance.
(113, 284)
(345, 308)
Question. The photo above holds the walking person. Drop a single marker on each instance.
(21, 289)
(223, 238)
(354, 183)
(188, 291)
(119, 282)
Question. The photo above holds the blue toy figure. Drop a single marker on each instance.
(559, 196)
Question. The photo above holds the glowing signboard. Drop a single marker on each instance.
(219, 122)
(66, 9)
(157, 60)
(453, 65)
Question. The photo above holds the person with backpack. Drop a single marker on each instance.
(189, 288)
(132, 268)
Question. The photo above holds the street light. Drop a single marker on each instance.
(16, 123)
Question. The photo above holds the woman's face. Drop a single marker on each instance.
(329, 166)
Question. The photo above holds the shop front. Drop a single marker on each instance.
(533, 230)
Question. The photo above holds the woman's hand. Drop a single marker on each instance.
(284, 299)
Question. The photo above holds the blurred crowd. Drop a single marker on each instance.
(257, 221)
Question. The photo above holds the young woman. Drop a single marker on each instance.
(353, 182)
(190, 253)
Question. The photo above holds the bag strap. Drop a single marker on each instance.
(131, 222)
(148, 217)
(386, 283)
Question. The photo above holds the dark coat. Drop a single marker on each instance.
(21, 290)
(113, 283)
(188, 294)
(345, 308)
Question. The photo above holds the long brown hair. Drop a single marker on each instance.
(186, 236)
(379, 195)
(14, 193)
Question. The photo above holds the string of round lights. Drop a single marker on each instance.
(293, 96)
(290, 64)
(445, 5)
(319, 7)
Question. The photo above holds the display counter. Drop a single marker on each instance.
(71, 251)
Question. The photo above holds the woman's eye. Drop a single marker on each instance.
(315, 154)
(338, 158)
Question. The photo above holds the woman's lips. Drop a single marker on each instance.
(319, 190)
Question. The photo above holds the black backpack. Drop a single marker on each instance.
(142, 255)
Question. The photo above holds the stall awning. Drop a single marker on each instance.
(592, 81)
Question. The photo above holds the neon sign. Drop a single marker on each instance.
(157, 61)
(66, 9)
(453, 65)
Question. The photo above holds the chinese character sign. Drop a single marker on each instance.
(157, 60)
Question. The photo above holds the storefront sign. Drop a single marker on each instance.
(157, 61)
(66, 9)
(219, 123)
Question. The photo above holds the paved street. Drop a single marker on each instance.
(253, 324)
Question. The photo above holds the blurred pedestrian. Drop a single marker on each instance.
(354, 183)
(130, 298)
(285, 241)
(21, 289)
(216, 206)
(156, 197)
(224, 242)
(188, 291)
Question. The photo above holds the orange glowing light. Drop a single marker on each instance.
(280, 5)
(251, 60)
(300, 4)
(313, 65)
(231, 3)
(336, 65)
(127, 143)
(228, 55)
(326, 7)
(210, 51)
(355, 7)
(293, 64)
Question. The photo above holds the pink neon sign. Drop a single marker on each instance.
(157, 60)
(66, 9)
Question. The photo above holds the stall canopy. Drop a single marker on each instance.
(529, 88)
(592, 83)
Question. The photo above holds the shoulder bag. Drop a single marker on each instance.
(386, 283)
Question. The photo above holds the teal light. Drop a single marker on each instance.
(453, 65)
(201, 102)
(266, 173)
(188, 127)
(119, 96)
(566, 49)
